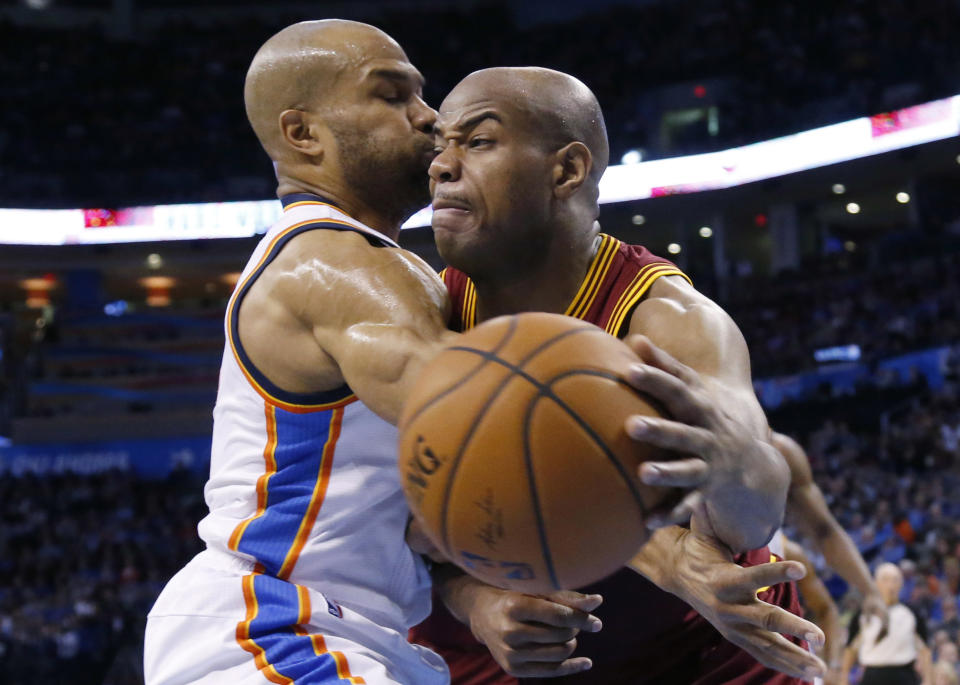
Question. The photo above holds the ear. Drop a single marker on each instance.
(300, 133)
(572, 167)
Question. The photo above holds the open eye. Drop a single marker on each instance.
(480, 141)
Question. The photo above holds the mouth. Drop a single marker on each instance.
(452, 213)
(453, 203)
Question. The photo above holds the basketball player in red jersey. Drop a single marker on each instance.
(515, 188)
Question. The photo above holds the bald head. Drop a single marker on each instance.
(557, 107)
(300, 68)
(889, 582)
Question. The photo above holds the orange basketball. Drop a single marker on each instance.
(514, 457)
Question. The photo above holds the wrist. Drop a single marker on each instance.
(656, 560)
(468, 600)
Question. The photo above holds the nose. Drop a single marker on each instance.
(423, 116)
(445, 167)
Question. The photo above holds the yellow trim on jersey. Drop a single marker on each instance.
(637, 289)
(291, 407)
(303, 203)
(581, 302)
(468, 317)
(773, 559)
(595, 275)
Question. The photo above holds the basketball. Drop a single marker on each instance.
(514, 457)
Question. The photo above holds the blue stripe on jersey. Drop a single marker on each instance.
(301, 439)
(293, 656)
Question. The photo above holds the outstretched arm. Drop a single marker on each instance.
(697, 365)
(823, 612)
(808, 506)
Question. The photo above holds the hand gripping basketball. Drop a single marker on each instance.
(514, 456)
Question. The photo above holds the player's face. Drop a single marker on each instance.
(384, 132)
(490, 184)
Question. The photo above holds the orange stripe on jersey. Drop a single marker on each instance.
(339, 658)
(635, 292)
(305, 610)
(594, 279)
(316, 500)
(302, 203)
(247, 643)
(269, 457)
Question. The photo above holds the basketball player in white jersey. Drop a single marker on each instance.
(306, 577)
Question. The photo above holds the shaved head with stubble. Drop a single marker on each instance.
(337, 106)
(531, 185)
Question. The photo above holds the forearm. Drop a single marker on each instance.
(458, 591)
(656, 561)
(843, 557)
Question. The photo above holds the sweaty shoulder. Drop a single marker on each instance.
(693, 328)
(323, 284)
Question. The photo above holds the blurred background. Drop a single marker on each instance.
(799, 160)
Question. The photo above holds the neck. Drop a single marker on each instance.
(347, 201)
(549, 286)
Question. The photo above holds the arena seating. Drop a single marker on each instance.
(143, 136)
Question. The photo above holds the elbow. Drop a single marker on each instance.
(773, 487)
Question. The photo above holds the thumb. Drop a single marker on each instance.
(575, 600)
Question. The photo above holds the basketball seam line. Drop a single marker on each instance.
(473, 372)
(545, 391)
(444, 512)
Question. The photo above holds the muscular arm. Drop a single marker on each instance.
(806, 502)
(746, 491)
(342, 311)
(822, 609)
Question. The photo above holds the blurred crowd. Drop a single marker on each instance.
(82, 558)
(893, 489)
(886, 309)
(158, 117)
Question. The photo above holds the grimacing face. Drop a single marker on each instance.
(490, 183)
(384, 133)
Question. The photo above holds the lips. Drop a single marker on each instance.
(450, 203)
(451, 213)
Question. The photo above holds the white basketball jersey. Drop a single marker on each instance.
(306, 486)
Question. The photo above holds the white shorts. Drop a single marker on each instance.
(216, 625)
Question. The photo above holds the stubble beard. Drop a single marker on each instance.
(390, 179)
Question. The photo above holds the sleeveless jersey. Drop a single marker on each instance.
(305, 486)
(649, 636)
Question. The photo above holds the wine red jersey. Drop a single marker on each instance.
(649, 636)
